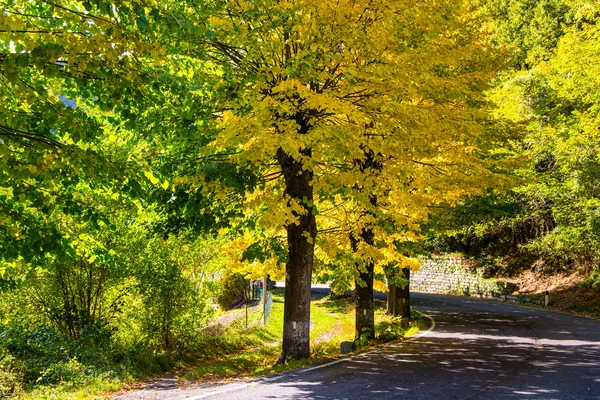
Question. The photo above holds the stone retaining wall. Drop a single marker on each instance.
(452, 275)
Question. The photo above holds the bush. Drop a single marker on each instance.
(149, 316)
(11, 375)
(232, 290)
(593, 280)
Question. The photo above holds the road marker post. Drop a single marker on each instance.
(264, 300)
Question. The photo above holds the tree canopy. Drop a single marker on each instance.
(314, 134)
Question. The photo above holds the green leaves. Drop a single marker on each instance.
(552, 94)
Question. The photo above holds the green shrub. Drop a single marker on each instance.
(232, 290)
(11, 375)
(593, 280)
(149, 317)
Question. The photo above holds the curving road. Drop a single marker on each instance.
(475, 350)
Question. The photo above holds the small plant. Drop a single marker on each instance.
(391, 329)
(593, 280)
(364, 339)
(11, 375)
(232, 291)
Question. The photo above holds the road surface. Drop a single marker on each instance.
(475, 350)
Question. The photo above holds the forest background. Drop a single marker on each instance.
(155, 155)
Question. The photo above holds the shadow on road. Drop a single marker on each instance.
(476, 351)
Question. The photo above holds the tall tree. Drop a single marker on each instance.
(309, 84)
(551, 92)
(405, 180)
(61, 70)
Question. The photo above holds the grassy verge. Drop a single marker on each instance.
(332, 321)
(92, 388)
(234, 352)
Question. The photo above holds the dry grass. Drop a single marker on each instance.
(567, 292)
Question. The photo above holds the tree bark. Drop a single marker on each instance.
(402, 296)
(298, 271)
(391, 297)
(365, 308)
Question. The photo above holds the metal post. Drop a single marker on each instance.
(264, 300)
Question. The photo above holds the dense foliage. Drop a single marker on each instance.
(550, 220)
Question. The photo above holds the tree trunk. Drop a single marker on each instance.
(402, 296)
(391, 296)
(365, 308)
(298, 271)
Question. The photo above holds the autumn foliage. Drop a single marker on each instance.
(148, 149)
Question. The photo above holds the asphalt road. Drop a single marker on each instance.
(475, 350)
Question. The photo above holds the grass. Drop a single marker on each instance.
(390, 328)
(95, 388)
(332, 321)
(233, 351)
(329, 318)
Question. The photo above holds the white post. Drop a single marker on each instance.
(264, 300)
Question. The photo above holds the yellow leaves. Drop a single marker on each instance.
(5, 220)
(411, 262)
(380, 286)
(86, 246)
(11, 22)
(156, 181)
(280, 212)
(508, 99)
(584, 10)
(131, 76)
(290, 87)
(49, 158)
(221, 23)
(138, 205)
(157, 54)
(235, 250)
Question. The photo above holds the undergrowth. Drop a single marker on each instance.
(44, 365)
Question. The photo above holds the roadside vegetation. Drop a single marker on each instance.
(60, 368)
(332, 322)
(543, 233)
(332, 318)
